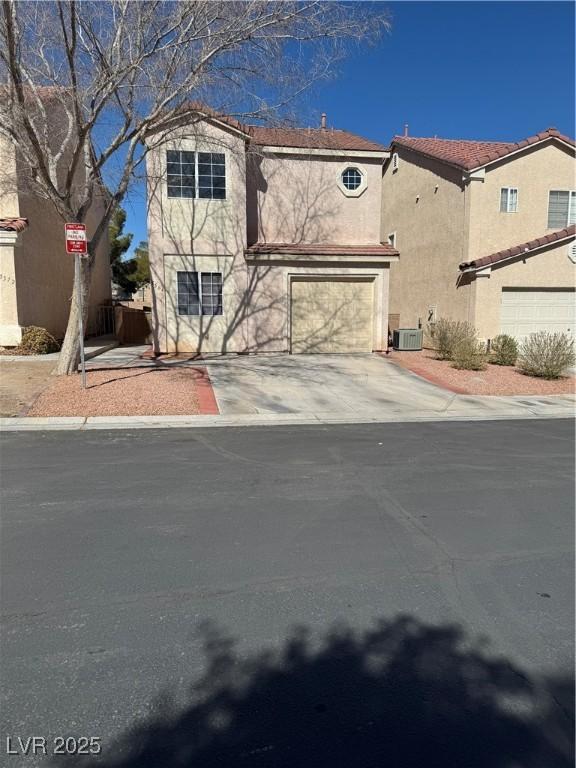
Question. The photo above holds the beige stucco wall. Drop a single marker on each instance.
(426, 205)
(197, 235)
(279, 199)
(268, 318)
(442, 220)
(45, 272)
(10, 331)
(38, 274)
(299, 200)
(548, 268)
(534, 173)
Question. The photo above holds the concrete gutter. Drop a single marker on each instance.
(461, 409)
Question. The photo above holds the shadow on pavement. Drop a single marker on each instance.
(402, 695)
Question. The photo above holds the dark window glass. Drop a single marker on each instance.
(211, 175)
(199, 294)
(211, 293)
(351, 178)
(188, 294)
(183, 168)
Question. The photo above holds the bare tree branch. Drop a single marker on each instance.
(88, 84)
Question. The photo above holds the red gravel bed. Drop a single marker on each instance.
(495, 380)
(129, 392)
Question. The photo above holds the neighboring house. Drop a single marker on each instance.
(266, 239)
(486, 233)
(36, 273)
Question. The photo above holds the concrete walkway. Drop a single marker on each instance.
(93, 347)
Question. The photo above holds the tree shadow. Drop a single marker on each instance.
(403, 694)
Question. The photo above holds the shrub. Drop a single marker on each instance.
(448, 334)
(504, 350)
(546, 355)
(38, 341)
(469, 355)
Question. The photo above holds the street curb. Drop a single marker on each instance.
(25, 424)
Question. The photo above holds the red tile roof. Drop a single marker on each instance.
(473, 154)
(312, 138)
(321, 249)
(203, 109)
(519, 250)
(13, 224)
(283, 136)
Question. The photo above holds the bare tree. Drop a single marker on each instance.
(119, 73)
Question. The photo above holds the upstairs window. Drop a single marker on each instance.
(211, 175)
(181, 173)
(199, 293)
(508, 200)
(561, 209)
(196, 174)
(351, 178)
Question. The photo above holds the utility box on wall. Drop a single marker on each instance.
(408, 339)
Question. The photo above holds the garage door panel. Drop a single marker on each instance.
(524, 312)
(331, 315)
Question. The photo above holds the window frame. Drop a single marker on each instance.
(570, 211)
(361, 188)
(508, 208)
(216, 299)
(197, 176)
(347, 174)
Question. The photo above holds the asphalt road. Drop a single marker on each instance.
(394, 595)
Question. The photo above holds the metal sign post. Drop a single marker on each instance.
(76, 244)
(78, 278)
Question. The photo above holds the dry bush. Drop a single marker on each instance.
(504, 350)
(469, 355)
(449, 334)
(37, 341)
(546, 355)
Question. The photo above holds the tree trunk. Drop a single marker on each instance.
(70, 353)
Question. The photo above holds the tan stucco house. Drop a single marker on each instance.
(266, 239)
(36, 274)
(486, 233)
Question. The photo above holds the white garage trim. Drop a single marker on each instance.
(528, 310)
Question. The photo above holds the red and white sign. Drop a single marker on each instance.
(76, 238)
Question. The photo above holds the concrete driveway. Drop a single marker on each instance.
(338, 385)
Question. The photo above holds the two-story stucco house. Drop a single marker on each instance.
(36, 273)
(266, 239)
(486, 233)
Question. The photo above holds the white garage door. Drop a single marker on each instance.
(526, 311)
(332, 315)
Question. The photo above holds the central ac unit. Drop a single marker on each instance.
(408, 339)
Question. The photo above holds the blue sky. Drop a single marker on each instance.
(476, 70)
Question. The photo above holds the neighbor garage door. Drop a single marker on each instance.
(528, 311)
(331, 315)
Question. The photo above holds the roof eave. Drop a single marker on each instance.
(472, 266)
(519, 150)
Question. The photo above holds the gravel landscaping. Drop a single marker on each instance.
(495, 380)
(129, 392)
